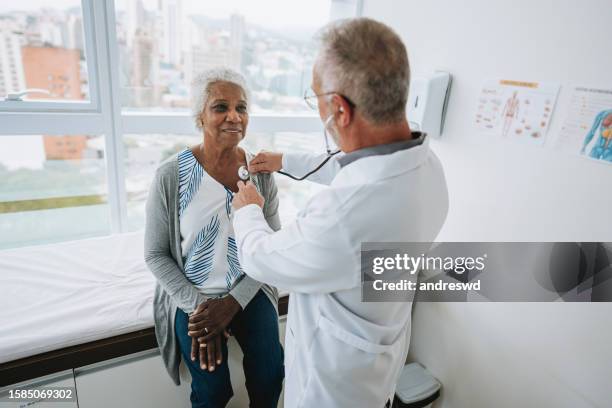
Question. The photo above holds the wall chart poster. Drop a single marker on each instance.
(516, 110)
(587, 129)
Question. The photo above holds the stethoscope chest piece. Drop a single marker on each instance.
(243, 173)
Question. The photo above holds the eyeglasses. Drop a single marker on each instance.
(312, 99)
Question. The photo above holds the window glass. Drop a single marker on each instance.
(164, 43)
(53, 188)
(42, 47)
(144, 153)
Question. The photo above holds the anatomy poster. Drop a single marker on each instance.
(516, 110)
(587, 129)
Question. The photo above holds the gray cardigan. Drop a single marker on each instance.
(162, 252)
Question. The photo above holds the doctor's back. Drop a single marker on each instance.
(341, 351)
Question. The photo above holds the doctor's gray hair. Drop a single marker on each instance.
(202, 83)
(367, 62)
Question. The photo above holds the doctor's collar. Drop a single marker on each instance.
(417, 139)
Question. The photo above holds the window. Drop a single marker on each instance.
(53, 188)
(42, 49)
(274, 51)
(78, 161)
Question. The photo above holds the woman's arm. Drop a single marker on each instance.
(157, 250)
(271, 205)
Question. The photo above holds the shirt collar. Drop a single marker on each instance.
(382, 149)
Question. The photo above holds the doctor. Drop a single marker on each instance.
(387, 187)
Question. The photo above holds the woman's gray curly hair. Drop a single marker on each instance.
(201, 84)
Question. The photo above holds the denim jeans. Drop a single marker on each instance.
(256, 330)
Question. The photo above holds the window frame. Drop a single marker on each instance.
(104, 115)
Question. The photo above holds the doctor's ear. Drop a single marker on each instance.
(341, 109)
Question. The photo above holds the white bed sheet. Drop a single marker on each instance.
(60, 295)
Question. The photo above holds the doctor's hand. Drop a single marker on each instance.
(247, 194)
(266, 162)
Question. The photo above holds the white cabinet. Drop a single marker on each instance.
(138, 380)
(63, 380)
(141, 380)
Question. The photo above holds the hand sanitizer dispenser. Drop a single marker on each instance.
(427, 100)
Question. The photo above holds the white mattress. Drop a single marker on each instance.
(60, 295)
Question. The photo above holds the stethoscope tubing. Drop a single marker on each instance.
(291, 176)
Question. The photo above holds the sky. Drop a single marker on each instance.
(296, 14)
(26, 5)
(296, 19)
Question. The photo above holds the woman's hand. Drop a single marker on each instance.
(266, 162)
(211, 318)
(210, 354)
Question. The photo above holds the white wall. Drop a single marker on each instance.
(508, 355)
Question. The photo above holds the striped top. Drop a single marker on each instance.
(209, 251)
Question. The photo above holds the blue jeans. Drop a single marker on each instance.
(256, 330)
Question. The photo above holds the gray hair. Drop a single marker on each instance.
(366, 61)
(202, 83)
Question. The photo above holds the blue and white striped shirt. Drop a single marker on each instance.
(208, 245)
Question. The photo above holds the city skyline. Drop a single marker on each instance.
(163, 43)
(37, 51)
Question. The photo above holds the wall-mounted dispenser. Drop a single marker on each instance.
(427, 102)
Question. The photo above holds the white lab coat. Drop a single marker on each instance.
(339, 351)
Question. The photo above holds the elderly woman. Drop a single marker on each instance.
(202, 294)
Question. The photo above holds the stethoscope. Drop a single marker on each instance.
(244, 174)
